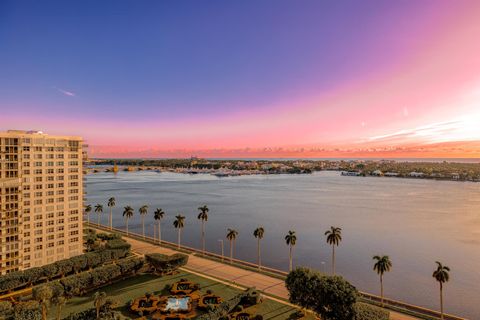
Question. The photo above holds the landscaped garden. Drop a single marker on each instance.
(108, 282)
(124, 293)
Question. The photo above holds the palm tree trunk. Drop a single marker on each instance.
(59, 311)
(143, 226)
(111, 209)
(258, 253)
(98, 219)
(179, 230)
(44, 311)
(231, 251)
(290, 259)
(441, 301)
(88, 217)
(126, 224)
(381, 290)
(333, 259)
(159, 233)
(203, 237)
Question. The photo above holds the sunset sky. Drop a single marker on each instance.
(246, 78)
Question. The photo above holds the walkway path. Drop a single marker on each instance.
(222, 271)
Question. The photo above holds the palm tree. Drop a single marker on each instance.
(98, 210)
(143, 211)
(442, 276)
(88, 209)
(99, 299)
(334, 236)
(90, 243)
(44, 295)
(179, 223)
(127, 213)
(382, 265)
(291, 240)
(258, 233)
(158, 216)
(203, 215)
(232, 237)
(59, 301)
(111, 204)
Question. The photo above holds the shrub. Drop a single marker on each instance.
(63, 267)
(364, 311)
(108, 236)
(163, 263)
(49, 271)
(11, 281)
(333, 298)
(337, 298)
(80, 263)
(130, 265)
(29, 310)
(223, 309)
(106, 313)
(122, 246)
(80, 283)
(6, 309)
(31, 275)
(301, 283)
(104, 274)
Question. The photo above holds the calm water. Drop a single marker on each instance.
(415, 222)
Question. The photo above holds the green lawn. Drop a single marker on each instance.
(124, 291)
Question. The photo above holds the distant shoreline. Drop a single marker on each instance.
(449, 171)
(432, 160)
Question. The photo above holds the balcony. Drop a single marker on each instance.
(10, 182)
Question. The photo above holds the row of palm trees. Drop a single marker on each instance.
(382, 264)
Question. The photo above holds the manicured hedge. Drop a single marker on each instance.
(63, 267)
(118, 244)
(364, 311)
(81, 283)
(163, 263)
(6, 310)
(29, 310)
(108, 236)
(223, 309)
(106, 313)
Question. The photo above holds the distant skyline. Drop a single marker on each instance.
(249, 79)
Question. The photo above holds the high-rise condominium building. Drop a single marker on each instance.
(41, 199)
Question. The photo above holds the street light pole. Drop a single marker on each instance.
(154, 232)
(323, 266)
(221, 243)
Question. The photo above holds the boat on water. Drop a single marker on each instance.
(350, 173)
(221, 174)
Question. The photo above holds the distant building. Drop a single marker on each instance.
(391, 174)
(267, 166)
(415, 174)
(41, 199)
(377, 173)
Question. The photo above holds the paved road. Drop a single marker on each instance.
(223, 271)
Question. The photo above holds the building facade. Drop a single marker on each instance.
(41, 199)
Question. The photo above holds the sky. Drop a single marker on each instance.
(246, 79)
